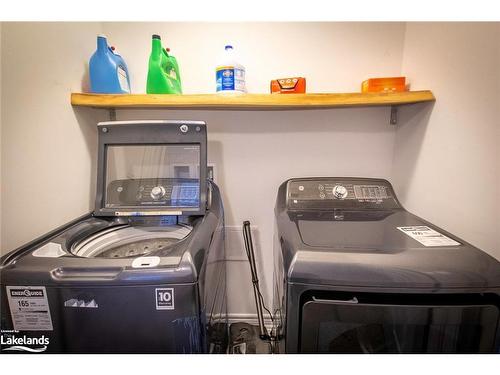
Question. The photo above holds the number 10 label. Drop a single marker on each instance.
(164, 298)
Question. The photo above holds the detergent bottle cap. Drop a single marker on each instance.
(228, 47)
(156, 36)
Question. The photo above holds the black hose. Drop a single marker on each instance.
(247, 236)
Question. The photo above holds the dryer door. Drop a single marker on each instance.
(360, 324)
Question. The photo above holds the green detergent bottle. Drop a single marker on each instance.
(163, 73)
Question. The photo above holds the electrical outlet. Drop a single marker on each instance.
(211, 172)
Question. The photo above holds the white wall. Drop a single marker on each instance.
(47, 149)
(447, 162)
(332, 56)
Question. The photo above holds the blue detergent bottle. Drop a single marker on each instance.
(107, 70)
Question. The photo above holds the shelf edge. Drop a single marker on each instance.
(250, 101)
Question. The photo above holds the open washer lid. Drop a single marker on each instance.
(151, 168)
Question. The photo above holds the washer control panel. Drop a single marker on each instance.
(340, 193)
(151, 192)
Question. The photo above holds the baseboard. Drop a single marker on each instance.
(250, 319)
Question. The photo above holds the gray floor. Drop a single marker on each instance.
(244, 339)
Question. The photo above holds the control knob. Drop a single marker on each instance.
(340, 192)
(157, 192)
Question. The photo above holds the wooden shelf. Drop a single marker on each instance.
(250, 101)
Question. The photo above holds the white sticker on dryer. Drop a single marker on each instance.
(29, 308)
(427, 236)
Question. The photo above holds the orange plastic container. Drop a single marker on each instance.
(294, 85)
(386, 84)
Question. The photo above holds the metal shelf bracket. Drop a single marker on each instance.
(394, 115)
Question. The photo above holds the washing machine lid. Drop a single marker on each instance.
(151, 168)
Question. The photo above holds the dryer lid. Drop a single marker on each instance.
(151, 168)
(369, 249)
(363, 229)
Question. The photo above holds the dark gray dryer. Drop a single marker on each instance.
(143, 273)
(356, 273)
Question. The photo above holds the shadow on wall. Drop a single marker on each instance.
(236, 257)
(241, 297)
(87, 119)
(348, 120)
(85, 78)
(410, 135)
(215, 156)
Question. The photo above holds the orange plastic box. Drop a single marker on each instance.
(294, 85)
(386, 84)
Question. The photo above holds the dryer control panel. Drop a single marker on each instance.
(332, 192)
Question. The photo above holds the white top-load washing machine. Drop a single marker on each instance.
(144, 272)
